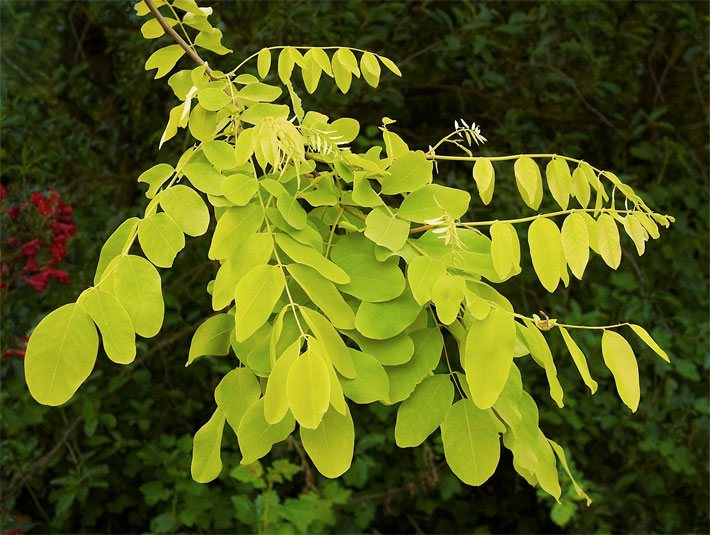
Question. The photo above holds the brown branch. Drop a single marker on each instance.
(172, 33)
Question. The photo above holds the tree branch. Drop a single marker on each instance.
(172, 33)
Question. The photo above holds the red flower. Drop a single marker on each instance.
(31, 248)
(12, 241)
(3, 192)
(59, 275)
(58, 251)
(64, 229)
(13, 213)
(30, 266)
(10, 353)
(39, 281)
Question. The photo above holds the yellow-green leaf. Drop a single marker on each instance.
(545, 244)
(255, 296)
(164, 59)
(331, 342)
(211, 337)
(235, 225)
(384, 320)
(114, 245)
(620, 359)
(155, 177)
(505, 249)
(304, 254)
(308, 389)
(579, 360)
(324, 294)
(529, 181)
(563, 459)
(409, 172)
(370, 383)
(206, 449)
(256, 436)
(609, 241)
(650, 342)
(137, 287)
(330, 445)
(636, 232)
(580, 187)
(422, 413)
(390, 65)
(559, 181)
(575, 243)
(540, 352)
(161, 239)
(370, 68)
(60, 354)
(117, 334)
(422, 273)
(471, 443)
(235, 393)
(485, 177)
(276, 397)
(447, 295)
(185, 206)
(386, 230)
(240, 189)
(489, 350)
(263, 62)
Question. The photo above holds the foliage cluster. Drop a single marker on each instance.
(678, 456)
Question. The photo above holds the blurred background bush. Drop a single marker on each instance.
(623, 85)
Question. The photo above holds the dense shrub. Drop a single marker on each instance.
(625, 84)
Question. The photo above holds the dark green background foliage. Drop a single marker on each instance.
(623, 85)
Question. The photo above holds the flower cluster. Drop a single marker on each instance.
(34, 241)
(18, 350)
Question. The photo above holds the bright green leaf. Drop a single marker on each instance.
(609, 241)
(164, 59)
(330, 445)
(137, 287)
(433, 201)
(579, 360)
(114, 245)
(385, 320)
(255, 296)
(60, 354)
(408, 173)
(117, 334)
(386, 230)
(370, 383)
(308, 389)
(212, 337)
(575, 243)
(423, 412)
(235, 225)
(529, 181)
(650, 342)
(489, 349)
(235, 393)
(471, 443)
(620, 359)
(324, 294)
(545, 244)
(256, 436)
(559, 181)
(206, 449)
(161, 239)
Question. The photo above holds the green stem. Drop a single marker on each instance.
(280, 264)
